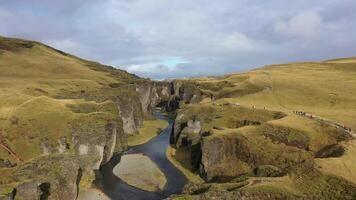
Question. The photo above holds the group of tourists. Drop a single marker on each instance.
(254, 107)
(300, 113)
(312, 117)
(348, 129)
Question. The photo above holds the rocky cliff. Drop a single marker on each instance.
(247, 142)
(98, 130)
(63, 117)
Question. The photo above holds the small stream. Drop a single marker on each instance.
(155, 149)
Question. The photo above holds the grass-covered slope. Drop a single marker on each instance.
(149, 130)
(327, 89)
(34, 81)
(55, 103)
(245, 136)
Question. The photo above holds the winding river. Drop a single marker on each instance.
(155, 149)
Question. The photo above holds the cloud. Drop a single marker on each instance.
(307, 25)
(211, 37)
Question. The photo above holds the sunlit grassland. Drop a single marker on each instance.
(40, 92)
(326, 89)
(343, 166)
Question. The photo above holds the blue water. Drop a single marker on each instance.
(155, 149)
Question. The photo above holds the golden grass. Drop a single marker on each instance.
(33, 77)
(318, 137)
(326, 89)
(32, 120)
(343, 166)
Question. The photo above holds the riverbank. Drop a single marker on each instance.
(149, 130)
(172, 156)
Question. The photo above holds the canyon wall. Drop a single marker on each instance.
(100, 129)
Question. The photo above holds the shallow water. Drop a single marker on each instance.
(155, 149)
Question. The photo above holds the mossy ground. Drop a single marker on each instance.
(182, 162)
(149, 130)
(228, 117)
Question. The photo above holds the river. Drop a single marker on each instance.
(155, 149)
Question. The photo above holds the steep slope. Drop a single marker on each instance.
(277, 132)
(61, 117)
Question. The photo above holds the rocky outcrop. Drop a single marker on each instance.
(131, 113)
(189, 92)
(154, 94)
(190, 135)
(178, 125)
(5, 163)
(220, 152)
(54, 177)
(168, 94)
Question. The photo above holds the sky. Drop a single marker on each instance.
(162, 39)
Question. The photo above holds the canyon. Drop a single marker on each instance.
(63, 118)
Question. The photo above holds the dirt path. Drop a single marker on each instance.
(6, 147)
(327, 121)
(12, 153)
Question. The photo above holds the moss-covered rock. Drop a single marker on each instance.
(267, 171)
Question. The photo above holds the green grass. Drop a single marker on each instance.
(37, 118)
(321, 186)
(228, 116)
(149, 130)
(277, 192)
(86, 181)
(6, 189)
(252, 150)
(180, 160)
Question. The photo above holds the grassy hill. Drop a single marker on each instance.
(35, 81)
(325, 88)
(53, 102)
(311, 153)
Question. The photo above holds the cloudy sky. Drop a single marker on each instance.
(183, 38)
